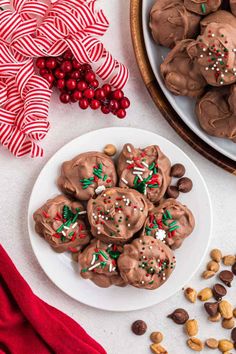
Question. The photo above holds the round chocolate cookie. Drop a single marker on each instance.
(58, 221)
(216, 112)
(170, 22)
(171, 222)
(215, 49)
(87, 174)
(146, 170)
(117, 214)
(180, 71)
(146, 263)
(202, 7)
(98, 262)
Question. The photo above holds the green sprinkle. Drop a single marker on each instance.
(63, 238)
(151, 166)
(153, 186)
(105, 178)
(135, 180)
(60, 228)
(151, 282)
(203, 6)
(71, 233)
(103, 254)
(173, 223)
(84, 270)
(169, 214)
(174, 228)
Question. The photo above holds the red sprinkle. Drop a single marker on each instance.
(45, 214)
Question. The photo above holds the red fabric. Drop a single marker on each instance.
(29, 325)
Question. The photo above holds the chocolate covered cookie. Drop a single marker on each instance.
(170, 22)
(146, 170)
(98, 262)
(146, 263)
(202, 7)
(59, 222)
(180, 71)
(117, 214)
(171, 222)
(87, 174)
(216, 112)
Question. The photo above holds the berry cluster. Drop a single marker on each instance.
(78, 83)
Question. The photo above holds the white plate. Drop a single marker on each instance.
(62, 271)
(184, 106)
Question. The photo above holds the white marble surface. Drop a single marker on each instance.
(17, 177)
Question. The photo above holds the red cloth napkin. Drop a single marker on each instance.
(29, 325)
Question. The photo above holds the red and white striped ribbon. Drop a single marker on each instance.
(30, 29)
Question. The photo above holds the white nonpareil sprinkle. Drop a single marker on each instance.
(160, 235)
(142, 282)
(113, 269)
(128, 225)
(128, 148)
(129, 161)
(74, 225)
(66, 227)
(110, 268)
(63, 233)
(95, 266)
(137, 172)
(139, 169)
(140, 177)
(100, 189)
(207, 68)
(144, 164)
(124, 180)
(93, 260)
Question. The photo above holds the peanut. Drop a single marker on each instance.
(213, 266)
(225, 345)
(229, 260)
(212, 343)
(156, 337)
(207, 274)
(190, 294)
(195, 344)
(226, 309)
(216, 255)
(234, 312)
(110, 150)
(158, 349)
(215, 318)
(191, 328)
(205, 294)
(228, 324)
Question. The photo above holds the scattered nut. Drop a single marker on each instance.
(216, 255)
(195, 344)
(139, 327)
(233, 335)
(234, 312)
(215, 318)
(177, 170)
(172, 192)
(190, 294)
(184, 185)
(110, 150)
(234, 268)
(226, 277)
(207, 274)
(156, 337)
(225, 345)
(205, 294)
(228, 324)
(226, 309)
(191, 327)
(229, 260)
(212, 343)
(219, 291)
(158, 349)
(211, 308)
(179, 316)
(213, 266)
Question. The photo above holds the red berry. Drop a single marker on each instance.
(95, 104)
(75, 75)
(86, 67)
(68, 54)
(89, 93)
(90, 76)
(60, 84)
(40, 63)
(43, 72)
(82, 85)
(121, 113)
(71, 84)
(113, 105)
(64, 97)
(124, 103)
(76, 64)
(51, 63)
(83, 103)
(66, 66)
(59, 74)
(100, 94)
(107, 89)
(49, 77)
(76, 95)
(94, 83)
(118, 94)
(105, 109)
